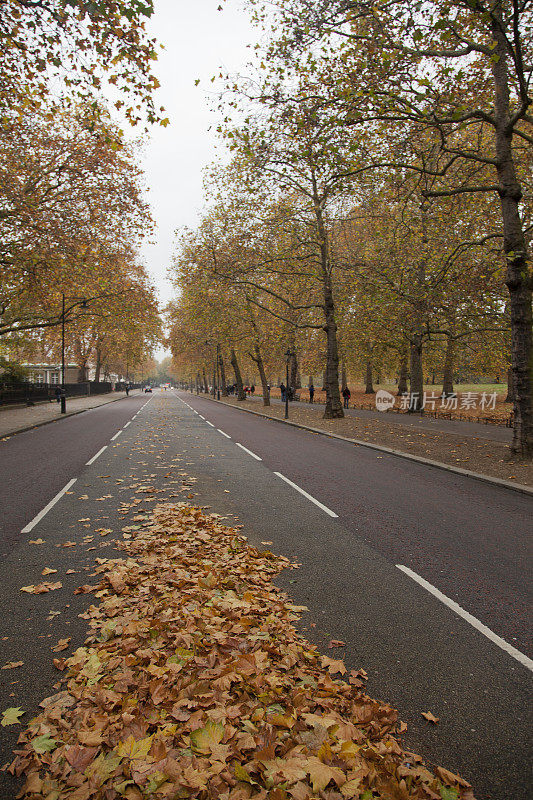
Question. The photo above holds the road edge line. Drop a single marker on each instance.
(515, 487)
(307, 495)
(44, 511)
(473, 621)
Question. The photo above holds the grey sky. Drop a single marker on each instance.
(198, 40)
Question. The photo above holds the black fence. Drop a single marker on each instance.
(29, 393)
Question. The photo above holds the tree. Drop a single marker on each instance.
(71, 215)
(79, 45)
(461, 70)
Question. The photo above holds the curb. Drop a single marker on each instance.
(9, 434)
(515, 487)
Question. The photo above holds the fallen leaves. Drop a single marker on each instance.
(41, 588)
(12, 665)
(11, 716)
(36, 541)
(194, 683)
(430, 717)
(61, 645)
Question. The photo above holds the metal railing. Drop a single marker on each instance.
(29, 393)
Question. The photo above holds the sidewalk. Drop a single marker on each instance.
(471, 451)
(495, 433)
(14, 420)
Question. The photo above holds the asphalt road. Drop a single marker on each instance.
(467, 539)
(36, 464)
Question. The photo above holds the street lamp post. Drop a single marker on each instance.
(288, 355)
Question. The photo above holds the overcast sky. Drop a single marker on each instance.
(198, 40)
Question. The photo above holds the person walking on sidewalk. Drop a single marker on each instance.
(311, 393)
(127, 389)
(282, 390)
(346, 394)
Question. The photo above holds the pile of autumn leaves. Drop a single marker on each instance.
(195, 684)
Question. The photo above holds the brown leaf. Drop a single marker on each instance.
(41, 588)
(61, 645)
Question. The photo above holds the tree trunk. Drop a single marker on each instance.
(98, 365)
(261, 369)
(206, 385)
(510, 387)
(417, 374)
(222, 369)
(402, 382)
(369, 389)
(293, 372)
(344, 380)
(238, 378)
(517, 279)
(333, 409)
(378, 376)
(324, 381)
(449, 363)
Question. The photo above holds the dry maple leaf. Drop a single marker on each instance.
(61, 645)
(430, 717)
(41, 588)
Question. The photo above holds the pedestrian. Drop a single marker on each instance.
(252, 389)
(346, 394)
(58, 394)
(282, 390)
(311, 393)
(127, 389)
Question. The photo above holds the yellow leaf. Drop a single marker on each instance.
(130, 748)
(204, 740)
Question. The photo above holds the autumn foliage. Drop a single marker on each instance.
(194, 683)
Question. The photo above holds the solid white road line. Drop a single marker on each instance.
(47, 508)
(127, 423)
(115, 436)
(201, 416)
(248, 451)
(497, 640)
(93, 459)
(210, 423)
(305, 494)
(224, 434)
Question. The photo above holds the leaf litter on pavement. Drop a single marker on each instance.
(194, 683)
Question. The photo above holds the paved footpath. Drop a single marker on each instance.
(21, 418)
(495, 433)
(359, 516)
